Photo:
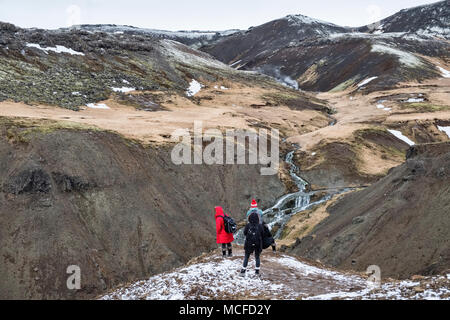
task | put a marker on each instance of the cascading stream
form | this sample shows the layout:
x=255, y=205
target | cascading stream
x=289, y=204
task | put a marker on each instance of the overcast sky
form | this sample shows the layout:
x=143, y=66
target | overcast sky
x=194, y=14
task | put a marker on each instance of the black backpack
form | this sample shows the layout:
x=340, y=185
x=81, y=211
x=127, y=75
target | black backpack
x=267, y=237
x=230, y=225
x=254, y=236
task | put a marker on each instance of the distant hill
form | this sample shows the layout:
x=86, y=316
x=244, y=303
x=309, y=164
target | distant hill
x=428, y=20
x=320, y=56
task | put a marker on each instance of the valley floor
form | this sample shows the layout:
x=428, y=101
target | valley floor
x=283, y=277
x=410, y=102
x=237, y=107
x=354, y=150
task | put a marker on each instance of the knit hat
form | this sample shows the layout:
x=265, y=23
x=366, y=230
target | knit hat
x=254, y=204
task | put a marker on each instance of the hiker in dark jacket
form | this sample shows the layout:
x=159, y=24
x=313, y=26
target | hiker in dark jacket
x=267, y=236
x=253, y=232
x=222, y=237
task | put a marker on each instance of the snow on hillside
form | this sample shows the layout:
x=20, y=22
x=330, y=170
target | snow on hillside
x=430, y=20
x=444, y=129
x=366, y=81
x=283, y=277
x=400, y=136
x=194, y=88
x=188, y=34
x=97, y=106
x=445, y=73
x=404, y=57
x=434, y=31
x=299, y=19
x=389, y=36
x=415, y=100
x=56, y=49
x=187, y=55
x=123, y=89
x=381, y=106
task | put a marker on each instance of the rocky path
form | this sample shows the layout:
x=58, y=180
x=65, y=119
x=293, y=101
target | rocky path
x=283, y=277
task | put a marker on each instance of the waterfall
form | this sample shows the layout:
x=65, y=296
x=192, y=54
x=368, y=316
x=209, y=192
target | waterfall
x=288, y=204
x=302, y=198
x=291, y=203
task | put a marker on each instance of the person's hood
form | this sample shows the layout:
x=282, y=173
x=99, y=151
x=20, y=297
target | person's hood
x=253, y=217
x=219, y=211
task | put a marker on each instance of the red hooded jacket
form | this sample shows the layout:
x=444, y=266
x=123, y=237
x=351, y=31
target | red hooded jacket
x=222, y=236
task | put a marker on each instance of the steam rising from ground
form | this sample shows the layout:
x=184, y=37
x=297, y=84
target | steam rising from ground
x=279, y=76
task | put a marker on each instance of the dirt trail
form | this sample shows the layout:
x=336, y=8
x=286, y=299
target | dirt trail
x=283, y=277
x=211, y=276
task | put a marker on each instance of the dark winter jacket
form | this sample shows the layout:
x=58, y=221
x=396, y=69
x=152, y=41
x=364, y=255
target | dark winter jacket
x=222, y=235
x=257, y=237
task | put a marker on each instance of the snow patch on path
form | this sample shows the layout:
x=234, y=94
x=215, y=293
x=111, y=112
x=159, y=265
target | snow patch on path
x=283, y=277
x=308, y=270
x=212, y=278
x=434, y=288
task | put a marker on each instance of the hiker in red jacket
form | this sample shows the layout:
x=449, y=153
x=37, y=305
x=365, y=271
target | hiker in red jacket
x=223, y=237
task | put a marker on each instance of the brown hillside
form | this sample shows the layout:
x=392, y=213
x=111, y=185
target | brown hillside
x=400, y=223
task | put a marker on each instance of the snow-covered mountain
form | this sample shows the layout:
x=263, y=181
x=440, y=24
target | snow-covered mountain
x=244, y=47
x=315, y=55
x=431, y=20
x=193, y=38
x=75, y=66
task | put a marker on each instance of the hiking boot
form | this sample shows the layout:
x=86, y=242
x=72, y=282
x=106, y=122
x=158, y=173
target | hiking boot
x=257, y=273
x=230, y=254
x=242, y=273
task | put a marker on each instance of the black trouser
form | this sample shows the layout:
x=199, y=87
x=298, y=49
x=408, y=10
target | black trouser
x=224, y=249
x=257, y=259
